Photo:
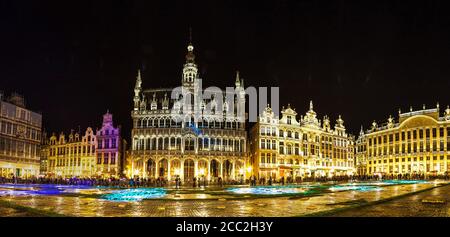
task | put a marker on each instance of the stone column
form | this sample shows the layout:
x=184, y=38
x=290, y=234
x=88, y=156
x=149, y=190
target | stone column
x=156, y=169
x=233, y=171
x=196, y=168
x=208, y=163
x=221, y=169
x=168, y=170
x=181, y=170
x=144, y=168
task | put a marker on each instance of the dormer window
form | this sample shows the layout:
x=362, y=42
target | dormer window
x=154, y=106
x=289, y=120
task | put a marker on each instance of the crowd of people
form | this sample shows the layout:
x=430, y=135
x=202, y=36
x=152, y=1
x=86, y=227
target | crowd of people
x=203, y=182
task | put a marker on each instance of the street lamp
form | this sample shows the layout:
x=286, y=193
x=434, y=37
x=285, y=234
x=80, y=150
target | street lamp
x=241, y=171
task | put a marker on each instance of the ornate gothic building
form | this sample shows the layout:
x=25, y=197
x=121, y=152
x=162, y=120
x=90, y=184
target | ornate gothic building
x=289, y=148
x=205, y=138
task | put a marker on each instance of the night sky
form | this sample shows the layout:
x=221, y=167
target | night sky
x=73, y=60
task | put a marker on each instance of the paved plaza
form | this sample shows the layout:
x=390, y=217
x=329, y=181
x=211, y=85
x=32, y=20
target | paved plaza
x=375, y=198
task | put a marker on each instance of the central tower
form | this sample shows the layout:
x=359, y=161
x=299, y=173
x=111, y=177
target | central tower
x=190, y=69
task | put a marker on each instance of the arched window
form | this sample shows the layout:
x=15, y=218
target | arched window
x=189, y=144
x=166, y=143
x=200, y=143
x=172, y=142
x=160, y=143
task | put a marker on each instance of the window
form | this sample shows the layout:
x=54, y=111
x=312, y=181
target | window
x=99, y=158
x=113, y=158
x=113, y=143
x=106, y=158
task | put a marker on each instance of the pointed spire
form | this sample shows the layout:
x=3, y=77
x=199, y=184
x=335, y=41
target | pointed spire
x=190, y=55
x=190, y=35
x=138, y=79
x=238, y=80
x=361, y=132
x=311, y=105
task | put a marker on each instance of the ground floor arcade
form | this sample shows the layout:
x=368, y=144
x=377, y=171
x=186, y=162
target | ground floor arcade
x=188, y=168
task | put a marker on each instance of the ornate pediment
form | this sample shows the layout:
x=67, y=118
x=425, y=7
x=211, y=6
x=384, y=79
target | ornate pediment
x=418, y=121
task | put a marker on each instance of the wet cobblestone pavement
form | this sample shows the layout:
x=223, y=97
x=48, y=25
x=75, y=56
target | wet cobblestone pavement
x=410, y=206
x=198, y=203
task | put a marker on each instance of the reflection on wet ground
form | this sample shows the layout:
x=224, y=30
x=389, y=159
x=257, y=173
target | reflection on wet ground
x=409, y=206
x=289, y=200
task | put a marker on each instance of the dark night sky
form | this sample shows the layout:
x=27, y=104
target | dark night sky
x=361, y=59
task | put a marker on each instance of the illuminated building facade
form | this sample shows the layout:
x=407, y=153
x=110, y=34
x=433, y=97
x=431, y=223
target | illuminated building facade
x=44, y=153
x=415, y=144
x=168, y=141
x=109, y=149
x=360, y=154
x=290, y=148
x=20, y=136
x=74, y=156
x=94, y=154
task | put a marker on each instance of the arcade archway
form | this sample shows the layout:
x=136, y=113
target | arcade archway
x=163, y=166
x=189, y=170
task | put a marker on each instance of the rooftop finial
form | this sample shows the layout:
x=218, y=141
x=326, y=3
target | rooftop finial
x=138, y=82
x=238, y=80
x=311, y=105
x=190, y=35
x=190, y=55
x=190, y=46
